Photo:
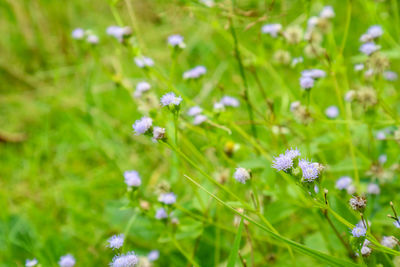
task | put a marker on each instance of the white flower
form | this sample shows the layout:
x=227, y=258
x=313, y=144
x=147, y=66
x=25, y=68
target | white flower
x=199, y=119
x=158, y=133
x=327, y=12
x=389, y=241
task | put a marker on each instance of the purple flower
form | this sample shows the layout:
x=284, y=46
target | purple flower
x=132, y=178
x=67, y=261
x=229, y=101
x=125, y=260
x=142, y=126
x=374, y=189
x=375, y=31
x=306, y=82
x=241, y=175
x=161, y=213
x=175, y=40
x=343, y=182
x=369, y=48
x=332, y=112
x=271, y=29
x=92, y=39
x=199, y=119
x=167, y=198
x=78, y=34
x=193, y=111
x=282, y=162
x=313, y=73
x=358, y=231
x=116, y=241
x=141, y=87
x=327, y=12
x=143, y=62
x=396, y=224
x=170, y=99
x=153, y=255
x=309, y=170
x=390, y=75
x=195, y=73
x=31, y=263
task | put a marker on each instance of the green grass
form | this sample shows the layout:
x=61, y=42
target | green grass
x=66, y=112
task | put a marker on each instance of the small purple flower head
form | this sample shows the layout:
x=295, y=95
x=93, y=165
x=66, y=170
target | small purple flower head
x=193, y=111
x=343, y=182
x=125, y=260
x=143, y=62
x=313, y=73
x=241, y=175
x=141, y=87
x=229, y=101
x=375, y=31
x=332, y=112
x=327, y=12
x=161, y=213
x=199, y=119
x=390, y=75
x=218, y=106
x=382, y=159
x=175, y=40
x=67, y=261
x=358, y=231
x=142, y=126
x=31, y=263
x=374, y=189
x=381, y=135
x=309, y=170
x=369, y=48
x=293, y=153
x=296, y=61
x=118, y=32
x=78, y=34
x=271, y=29
x=195, y=73
x=396, y=224
x=282, y=162
x=132, y=178
x=170, y=99
x=116, y=241
x=153, y=255
x=389, y=241
x=167, y=198
x=306, y=82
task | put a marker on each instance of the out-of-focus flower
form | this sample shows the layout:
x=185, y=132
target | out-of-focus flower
x=358, y=231
x=373, y=189
x=390, y=75
x=116, y=241
x=141, y=87
x=358, y=67
x=31, y=263
x=229, y=101
x=170, y=99
x=271, y=29
x=193, y=111
x=343, y=182
x=369, y=48
x=67, y=261
x=158, y=133
x=92, y=39
x=167, y=198
x=313, y=73
x=144, y=62
x=132, y=178
x=327, y=12
x=381, y=135
x=195, y=73
x=176, y=40
x=161, y=213
x=78, y=34
x=153, y=255
x=332, y=112
x=199, y=119
x=389, y=241
x=306, y=82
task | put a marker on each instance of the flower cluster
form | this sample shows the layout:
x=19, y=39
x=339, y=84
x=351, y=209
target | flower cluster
x=125, y=260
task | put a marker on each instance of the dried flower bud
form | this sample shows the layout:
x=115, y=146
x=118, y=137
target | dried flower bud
x=358, y=203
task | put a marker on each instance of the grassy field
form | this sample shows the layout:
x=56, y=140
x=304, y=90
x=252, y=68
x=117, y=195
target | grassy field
x=66, y=140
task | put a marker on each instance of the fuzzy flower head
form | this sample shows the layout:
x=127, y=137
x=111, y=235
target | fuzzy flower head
x=306, y=82
x=283, y=162
x=358, y=67
x=144, y=62
x=67, y=261
x=92, y=39
x=193, y=111
x=199, y=119
x=125, y=260
x=271, y=29
x=167, y=198
x=332, y=112
x=116, y=241
x=343, y=182
x=118, y=32
x=31, y=263
x=313, y=73
x=366, y=251
x=358, y=231
x=195, y=73
x=358, y=203
x=170, y=99
x=132, y=178
x=396, y=224
x=375, y=31
x=241, y=175
x=141, y=87
x=78, y=34
x=229, y=101
x=153, y=255
x=158, y=133
x=142, y=126
x=309, y=170
x=369, y=48
x=161, y=213
x=176, y=40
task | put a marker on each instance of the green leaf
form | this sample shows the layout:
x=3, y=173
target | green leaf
x=236, y=244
